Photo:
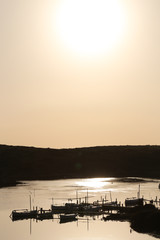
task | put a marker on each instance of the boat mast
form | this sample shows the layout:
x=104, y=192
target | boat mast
x=138, y=193
x=77, y=196
x=110, y=196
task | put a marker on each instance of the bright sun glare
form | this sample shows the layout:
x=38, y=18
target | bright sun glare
x=90, y=27
x=94, y=182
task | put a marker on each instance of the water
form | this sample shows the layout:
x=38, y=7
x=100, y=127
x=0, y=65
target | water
x=44, y=193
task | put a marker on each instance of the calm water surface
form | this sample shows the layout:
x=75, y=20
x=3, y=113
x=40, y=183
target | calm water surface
x=44, y=193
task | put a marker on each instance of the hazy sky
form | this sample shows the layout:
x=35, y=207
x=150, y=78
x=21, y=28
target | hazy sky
x=79, y=72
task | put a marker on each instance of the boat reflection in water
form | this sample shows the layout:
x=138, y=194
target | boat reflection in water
x=64, y=218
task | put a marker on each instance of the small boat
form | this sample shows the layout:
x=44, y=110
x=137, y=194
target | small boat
x=109, y=205
x=130, y=202
x=67, y=208
x=89, y=209
x=23, y=214
x=68, y=218
x=112, y=203
x=71, y=206
x=58, y=208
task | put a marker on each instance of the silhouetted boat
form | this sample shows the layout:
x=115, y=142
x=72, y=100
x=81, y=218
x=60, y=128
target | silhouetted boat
x=113, y=203
x=89, y=208
x=129, y=202
x=58, y=208
x=23, y=214
x=67, y=208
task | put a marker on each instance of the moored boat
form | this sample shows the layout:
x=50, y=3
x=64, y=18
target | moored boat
x=58, y=208
x=67, y=208
x=23, y=214
x=129, y=202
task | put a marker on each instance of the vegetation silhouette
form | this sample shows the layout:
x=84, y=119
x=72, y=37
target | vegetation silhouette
x=29, y=163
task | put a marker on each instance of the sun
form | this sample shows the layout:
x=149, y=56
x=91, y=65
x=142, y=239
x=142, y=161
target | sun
x=90, y=27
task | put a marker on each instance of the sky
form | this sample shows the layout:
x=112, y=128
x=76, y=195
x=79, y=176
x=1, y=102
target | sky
x=79, y=73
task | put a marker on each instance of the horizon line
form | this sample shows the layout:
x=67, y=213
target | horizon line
x=65, y=148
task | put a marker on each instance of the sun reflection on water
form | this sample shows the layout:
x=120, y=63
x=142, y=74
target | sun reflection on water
x=94, y=182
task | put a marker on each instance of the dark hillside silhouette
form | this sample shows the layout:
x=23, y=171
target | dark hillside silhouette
x=29, y=163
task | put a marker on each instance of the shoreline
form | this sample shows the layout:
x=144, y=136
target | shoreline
x=117, y=179
x=18, y=163
x=10, y=184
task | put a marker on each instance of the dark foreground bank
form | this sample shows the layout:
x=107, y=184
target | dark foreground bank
x=29, y=163
x=143, y=219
